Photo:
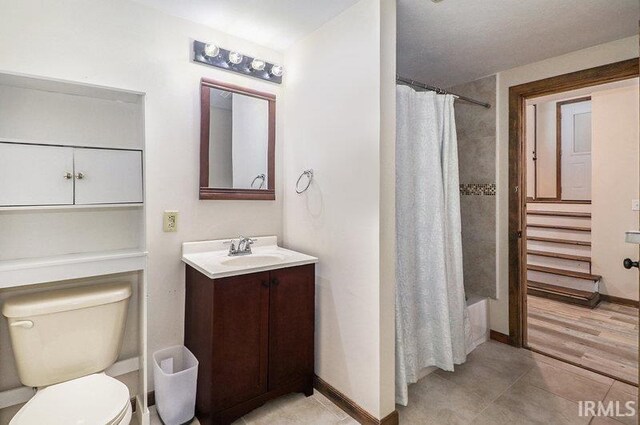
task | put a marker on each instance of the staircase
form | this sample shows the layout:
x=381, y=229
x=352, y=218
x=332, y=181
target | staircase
x=559, y=253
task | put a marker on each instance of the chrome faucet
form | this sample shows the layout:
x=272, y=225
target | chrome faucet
x=243, y=247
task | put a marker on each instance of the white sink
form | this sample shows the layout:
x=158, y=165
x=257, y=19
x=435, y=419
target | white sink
x=253, y=260
x=211, y=258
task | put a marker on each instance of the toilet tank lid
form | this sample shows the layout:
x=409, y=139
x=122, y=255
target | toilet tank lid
x=68, y=299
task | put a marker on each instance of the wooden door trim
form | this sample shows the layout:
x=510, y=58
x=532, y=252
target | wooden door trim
x=517, y=179
x=559, y=140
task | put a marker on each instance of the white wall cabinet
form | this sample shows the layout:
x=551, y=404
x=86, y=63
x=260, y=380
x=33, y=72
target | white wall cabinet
x=34, y=175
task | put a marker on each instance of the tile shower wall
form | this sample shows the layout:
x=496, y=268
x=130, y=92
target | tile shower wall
x=476, y=128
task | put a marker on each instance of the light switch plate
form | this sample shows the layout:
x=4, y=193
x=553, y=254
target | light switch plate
x=170, y=221
x=635, y=205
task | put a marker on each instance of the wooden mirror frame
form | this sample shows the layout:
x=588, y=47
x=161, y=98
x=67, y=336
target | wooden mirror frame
x=207, y=192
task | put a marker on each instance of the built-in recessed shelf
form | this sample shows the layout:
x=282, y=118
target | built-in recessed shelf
x=31, y=271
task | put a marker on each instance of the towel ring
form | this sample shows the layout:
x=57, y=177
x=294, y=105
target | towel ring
x=309, y=174
x=259, y=176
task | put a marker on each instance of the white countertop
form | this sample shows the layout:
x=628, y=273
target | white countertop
x=212, y=259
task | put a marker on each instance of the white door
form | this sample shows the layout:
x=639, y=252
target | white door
x=106, y=176
x=575, y=134
x=35, y=175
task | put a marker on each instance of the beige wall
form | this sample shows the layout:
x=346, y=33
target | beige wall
x=615, y=183
x=582, y=59
x=123, y=44
x=334, y=125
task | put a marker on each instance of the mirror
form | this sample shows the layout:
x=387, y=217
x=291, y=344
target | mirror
x=237, y=142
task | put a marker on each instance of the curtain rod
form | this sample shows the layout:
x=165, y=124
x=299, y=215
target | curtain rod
x=438, y=90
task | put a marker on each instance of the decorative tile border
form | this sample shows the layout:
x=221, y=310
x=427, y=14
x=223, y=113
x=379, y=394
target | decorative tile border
x=488, y=189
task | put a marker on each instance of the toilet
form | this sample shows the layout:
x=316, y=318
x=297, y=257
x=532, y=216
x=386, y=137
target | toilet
x=63, y=340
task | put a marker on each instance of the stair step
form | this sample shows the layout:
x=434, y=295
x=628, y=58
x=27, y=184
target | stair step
x=559, y=255
x=561, y=272
x=554, y=227
x=560, y=213
x=555, y=240
x=573, y=296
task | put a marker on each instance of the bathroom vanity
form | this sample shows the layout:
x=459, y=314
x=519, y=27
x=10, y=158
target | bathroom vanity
x=250, y=322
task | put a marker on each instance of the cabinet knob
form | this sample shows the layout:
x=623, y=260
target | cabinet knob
x=67, y=175
x=265, y=283
x=80, y=176
x=275, y=281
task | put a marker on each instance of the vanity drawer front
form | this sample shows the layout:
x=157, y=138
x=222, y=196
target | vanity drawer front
x=240, y=339
x=291, y=325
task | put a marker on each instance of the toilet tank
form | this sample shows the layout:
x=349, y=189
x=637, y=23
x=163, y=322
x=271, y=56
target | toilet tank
x=63, y=334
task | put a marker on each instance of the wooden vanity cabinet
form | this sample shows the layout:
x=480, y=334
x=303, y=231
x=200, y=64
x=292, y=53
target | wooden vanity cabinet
x=253, y=336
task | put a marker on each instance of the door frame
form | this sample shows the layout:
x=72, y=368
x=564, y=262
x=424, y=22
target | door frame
x=517, y=173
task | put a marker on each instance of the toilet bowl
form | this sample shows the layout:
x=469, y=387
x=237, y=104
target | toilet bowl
x=94, y=399
x=63, y=340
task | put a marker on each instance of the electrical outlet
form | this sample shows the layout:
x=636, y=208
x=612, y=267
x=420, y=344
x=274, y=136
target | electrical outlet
x=170, y=221
x=635, y=205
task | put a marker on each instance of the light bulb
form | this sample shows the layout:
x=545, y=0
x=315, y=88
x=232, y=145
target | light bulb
x=258, y=64
x=277, y=70
x=211, y=50
x=235, y=57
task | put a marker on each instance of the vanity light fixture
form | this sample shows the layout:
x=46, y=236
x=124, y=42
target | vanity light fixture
x=211, y=50
x=232, y=60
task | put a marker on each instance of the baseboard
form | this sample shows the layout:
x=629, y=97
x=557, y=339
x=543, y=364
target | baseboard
x=500, y=337
x=151, y=400
x=351, y=407
x=619, y=300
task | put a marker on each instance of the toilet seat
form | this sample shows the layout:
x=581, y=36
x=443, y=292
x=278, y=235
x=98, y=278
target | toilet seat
x=89, y=400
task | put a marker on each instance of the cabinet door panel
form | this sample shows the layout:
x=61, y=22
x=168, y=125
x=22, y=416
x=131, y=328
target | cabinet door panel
x=240, y=338
x=35, y=175
x=291, y=325
x=109, y=176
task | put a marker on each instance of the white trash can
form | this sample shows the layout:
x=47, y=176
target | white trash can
x=175, y=374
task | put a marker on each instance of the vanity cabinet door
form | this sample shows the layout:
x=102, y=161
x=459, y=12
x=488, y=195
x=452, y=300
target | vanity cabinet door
x=108, y=176
x=35, y=175
x=240, y=339
x=291, y=326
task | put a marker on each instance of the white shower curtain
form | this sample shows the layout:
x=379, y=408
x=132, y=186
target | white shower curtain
x=431, y=316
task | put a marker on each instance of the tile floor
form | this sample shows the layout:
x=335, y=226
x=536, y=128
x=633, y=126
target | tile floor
x=498, y=385
x=289, y=410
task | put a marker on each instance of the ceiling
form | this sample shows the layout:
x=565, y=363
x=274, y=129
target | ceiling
x=457, y=41
x=276, y=24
